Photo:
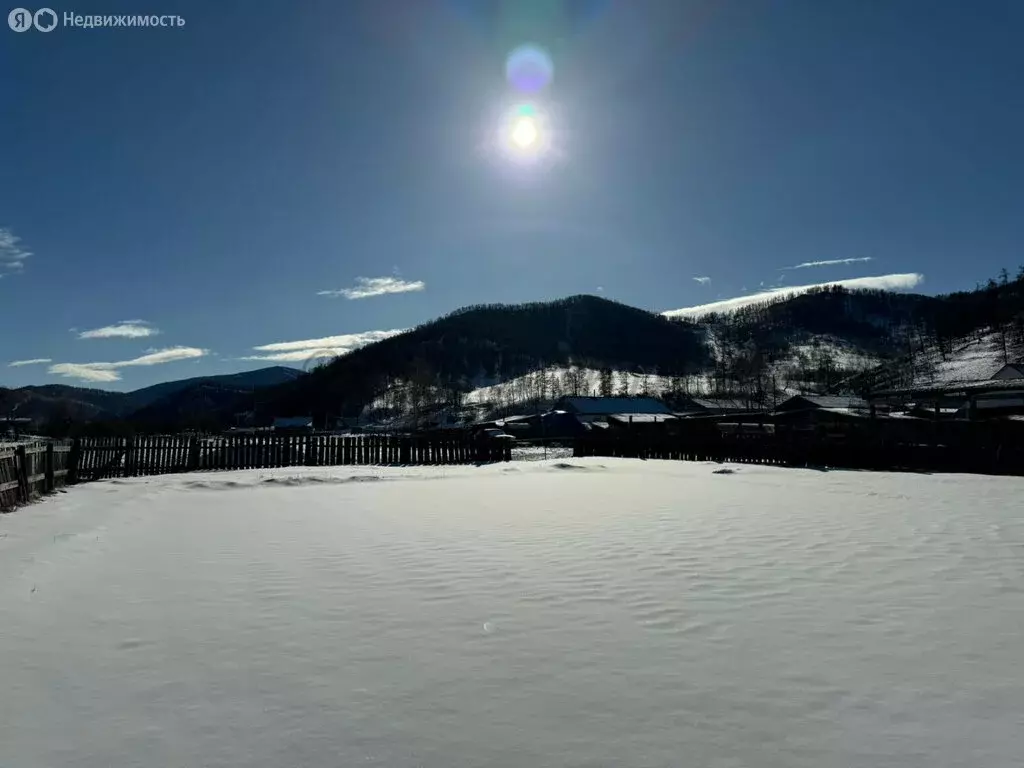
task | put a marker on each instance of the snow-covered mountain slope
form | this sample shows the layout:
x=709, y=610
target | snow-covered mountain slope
x=806, y=367
x=972, y=358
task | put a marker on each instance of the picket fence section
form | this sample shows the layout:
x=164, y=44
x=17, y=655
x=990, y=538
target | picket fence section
x=100, y=458
x=28, y=470
x=978, y=451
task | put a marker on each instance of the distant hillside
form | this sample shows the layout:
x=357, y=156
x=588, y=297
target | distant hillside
x=59, y=403
x=247, y=380
x=966, y=336
x=73, y=403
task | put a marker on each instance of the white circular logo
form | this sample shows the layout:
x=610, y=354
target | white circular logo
x=45, y=19
x=20, y=20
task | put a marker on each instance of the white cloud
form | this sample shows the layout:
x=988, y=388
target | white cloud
x=367, y=287
x=12, y=255
x=897, y=282
x=85, y=372
x=328, y=346
x=830, y=262
x=126, y=329
x=33, y=361
x=161, y=356
x=702, y=280
x=109, y=371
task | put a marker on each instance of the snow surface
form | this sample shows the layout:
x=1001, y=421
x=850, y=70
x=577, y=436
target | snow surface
x=572, y=612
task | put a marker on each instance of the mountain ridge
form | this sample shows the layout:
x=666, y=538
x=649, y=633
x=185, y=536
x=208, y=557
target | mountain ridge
x=63, y=401
x=814, y=341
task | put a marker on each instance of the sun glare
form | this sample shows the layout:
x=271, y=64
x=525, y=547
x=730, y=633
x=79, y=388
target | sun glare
x=525, y=133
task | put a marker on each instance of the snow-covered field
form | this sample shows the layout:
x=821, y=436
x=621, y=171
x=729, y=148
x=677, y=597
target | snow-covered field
x=593, y=612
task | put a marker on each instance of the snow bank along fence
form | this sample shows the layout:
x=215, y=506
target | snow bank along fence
x=28, y=470
x=98, y=458
x=953, y=448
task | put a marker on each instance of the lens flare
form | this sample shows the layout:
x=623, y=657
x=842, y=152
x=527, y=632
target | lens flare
x=529, y=69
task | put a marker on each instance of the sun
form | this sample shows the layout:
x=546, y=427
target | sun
x=525, y=133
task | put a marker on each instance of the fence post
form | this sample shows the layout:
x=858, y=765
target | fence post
x=130, y=460
x=74, y=458
x=193, y=453
x=49, y=467
x=22, y=470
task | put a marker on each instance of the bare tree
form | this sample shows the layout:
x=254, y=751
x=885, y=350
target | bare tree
x=574, y=381
x=623, y=390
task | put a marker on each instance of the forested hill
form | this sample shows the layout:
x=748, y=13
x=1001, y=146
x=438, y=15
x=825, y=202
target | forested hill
x=495, y=342
x=738, y=353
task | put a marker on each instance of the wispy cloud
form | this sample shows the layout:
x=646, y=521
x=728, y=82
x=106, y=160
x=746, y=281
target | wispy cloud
x=328, y=346
x=897, y=282
x=830, y=262
x=125, y=329
x=12, y=255
x=367, y=287
x=33, y=361
x=99, y=372
x=93, y=372
x=702, y=280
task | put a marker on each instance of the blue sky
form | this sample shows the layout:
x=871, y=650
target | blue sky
x=276, y=173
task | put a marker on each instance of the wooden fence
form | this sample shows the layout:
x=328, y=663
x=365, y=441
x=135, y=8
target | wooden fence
x=99, y=458
x=976, y=451
x=29, y=470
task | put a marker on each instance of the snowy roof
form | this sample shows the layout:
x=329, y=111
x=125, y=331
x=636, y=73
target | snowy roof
x=720, y=404
x=954, y=388
x=606, y=406
x=515, y=418
x=859, y=412
x=641, y=418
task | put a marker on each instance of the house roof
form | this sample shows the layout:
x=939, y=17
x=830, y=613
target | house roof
x=1017, y=367
x=286, y=422
x=961, y=388
x=720, y=404
x=821, y=401
x=641, y=418
x=607, y=406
